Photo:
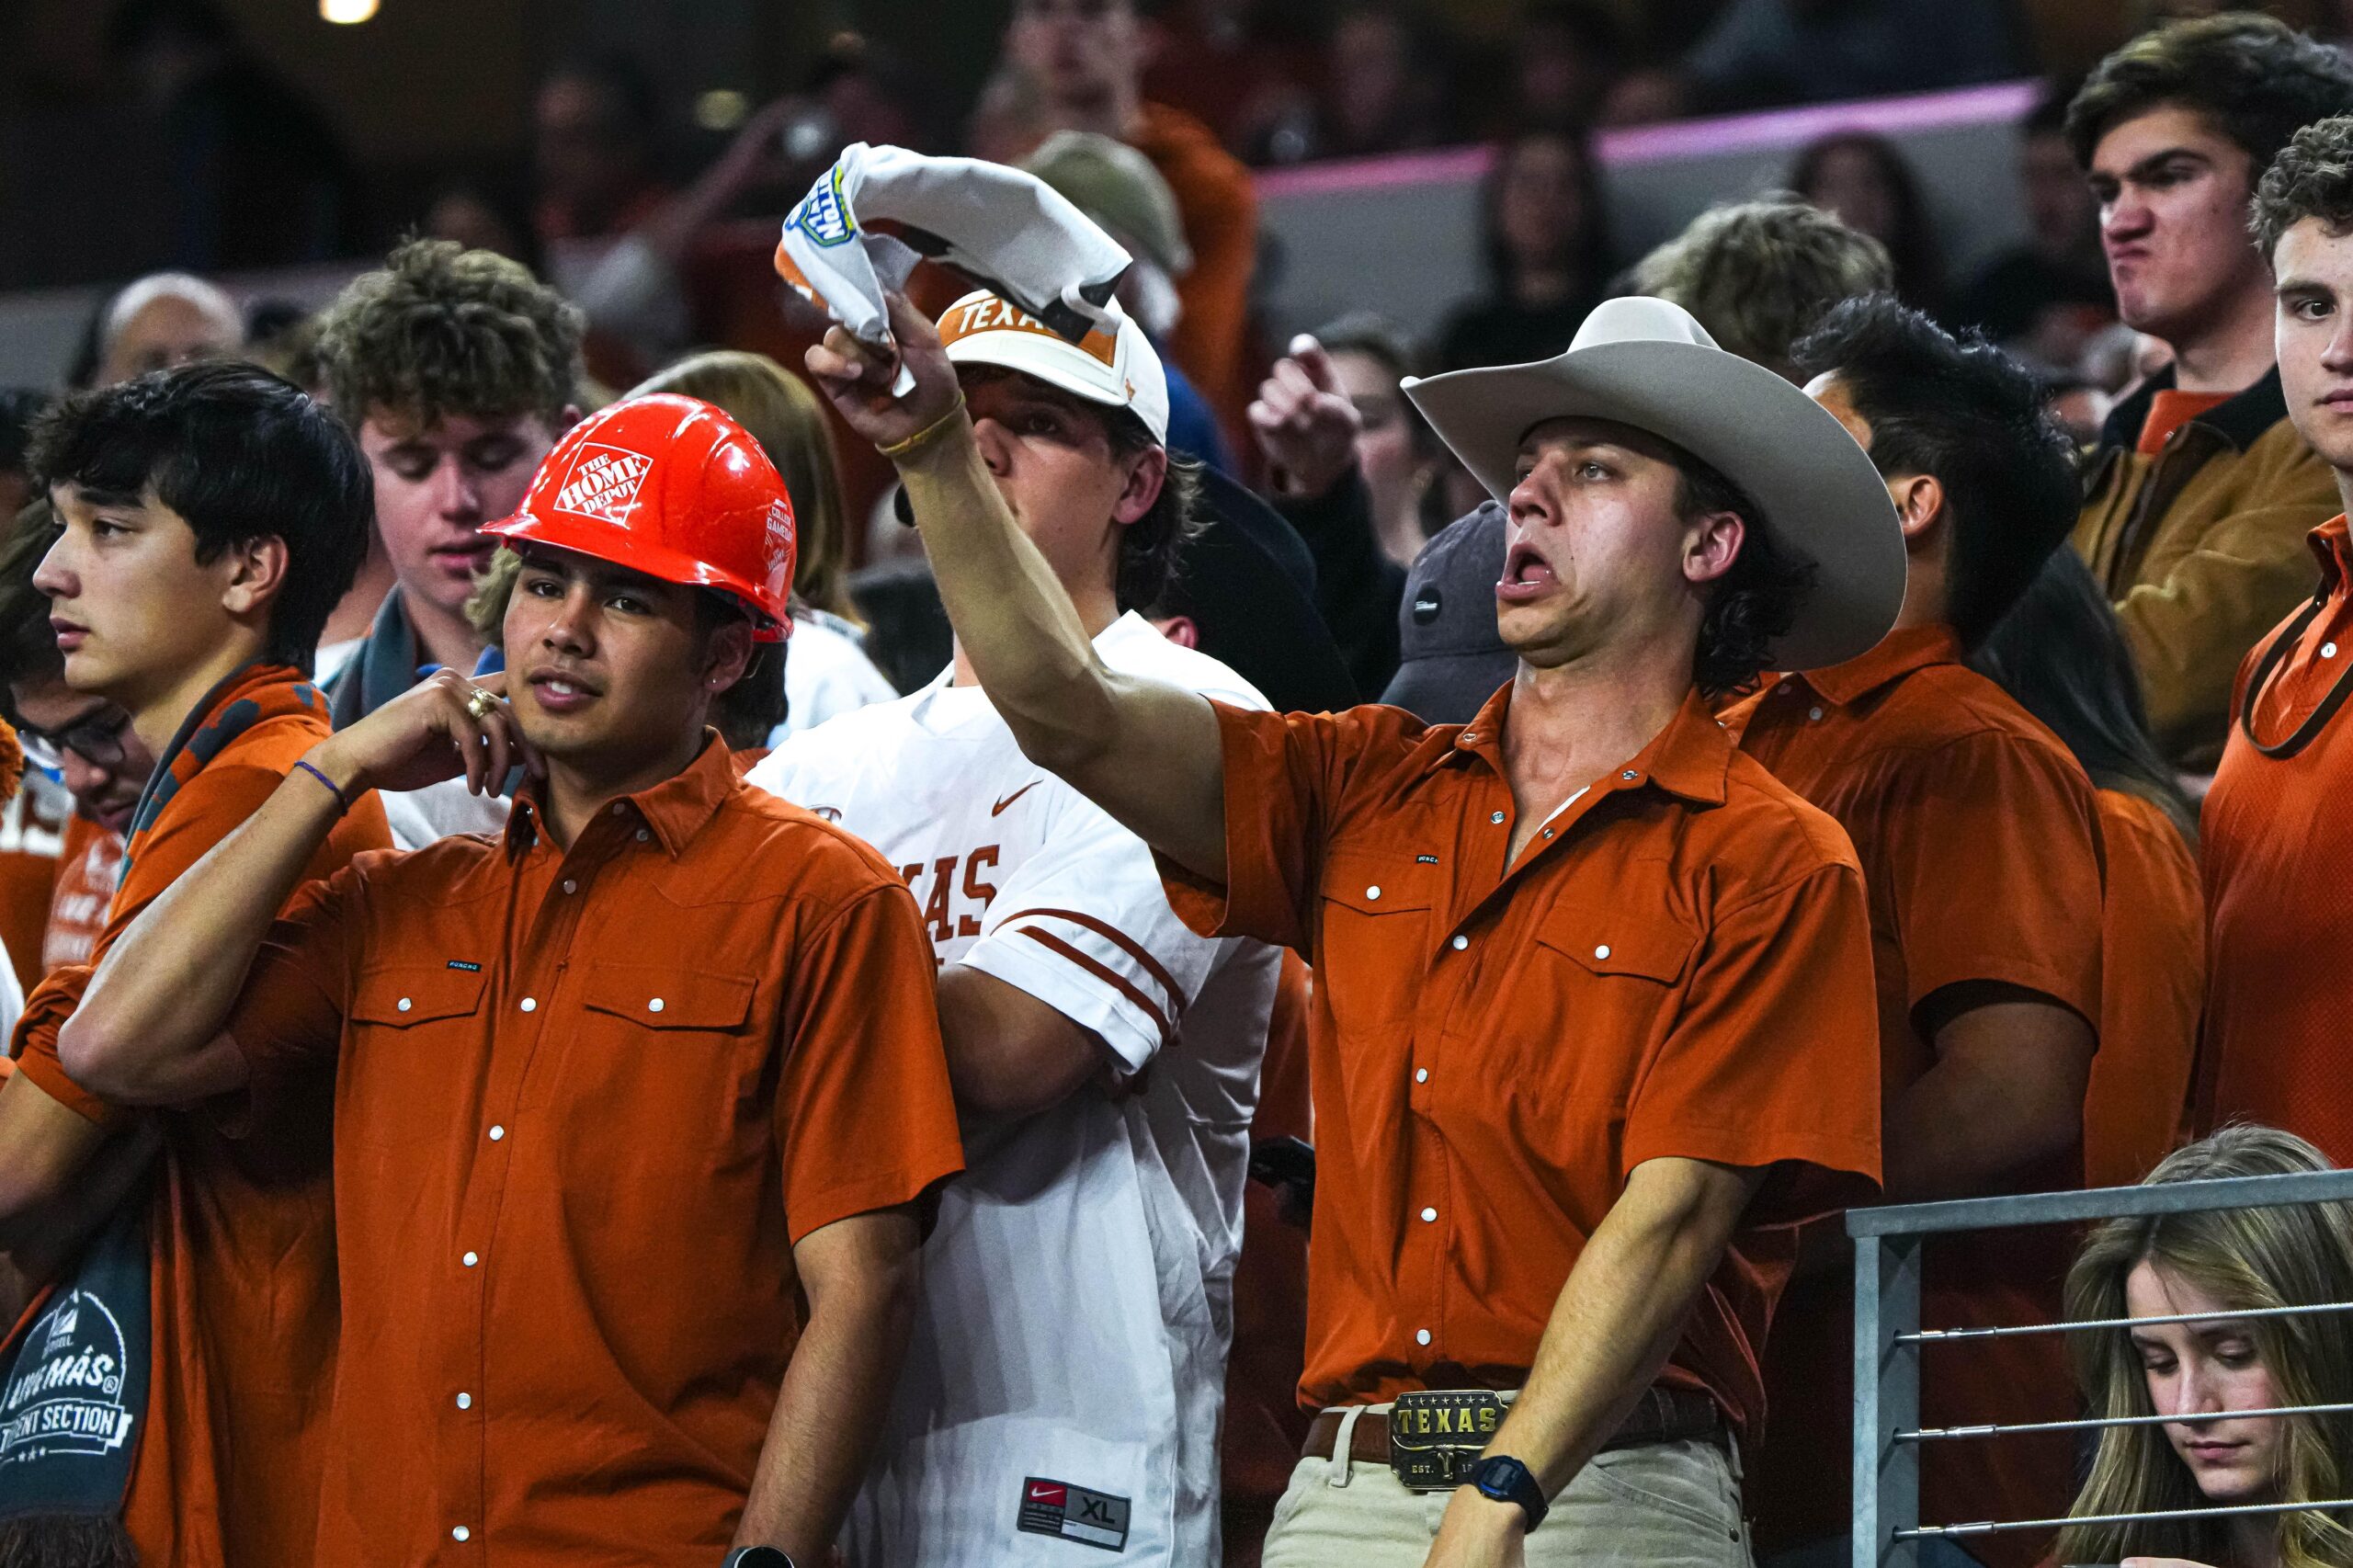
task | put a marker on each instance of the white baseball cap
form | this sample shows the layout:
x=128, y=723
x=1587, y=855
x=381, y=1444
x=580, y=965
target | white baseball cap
x=1115, y=366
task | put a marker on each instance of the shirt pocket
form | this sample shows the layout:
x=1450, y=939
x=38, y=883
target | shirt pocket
x=678, y=1005
x=1376, y=912
x=678, y=1045
x=1611, y=987
x=415, y=1043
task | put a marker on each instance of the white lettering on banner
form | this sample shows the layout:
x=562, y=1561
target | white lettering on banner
x=71, y=1401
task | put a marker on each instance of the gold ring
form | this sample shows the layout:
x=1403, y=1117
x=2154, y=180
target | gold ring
x=480, y=703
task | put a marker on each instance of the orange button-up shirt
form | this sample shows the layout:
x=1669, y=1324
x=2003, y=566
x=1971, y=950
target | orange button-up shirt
x=2278, y=850
x=587, y=1103
x=2152, y=968
x=241, y=1236
x=1678, y=965
x=1980, y=849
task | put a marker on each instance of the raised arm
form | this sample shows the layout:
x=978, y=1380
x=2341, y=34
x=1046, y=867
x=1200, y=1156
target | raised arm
x=1145, y=752
x=148, y=1030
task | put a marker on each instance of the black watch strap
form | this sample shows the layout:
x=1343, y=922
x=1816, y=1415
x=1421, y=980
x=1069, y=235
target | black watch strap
x=1508, y=1481
x=757, y=1557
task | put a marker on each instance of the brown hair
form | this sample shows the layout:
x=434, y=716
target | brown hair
x=2254, y=76
x=780, y=412
x=440, y=330
x=2311, y=178
x=1760, y=275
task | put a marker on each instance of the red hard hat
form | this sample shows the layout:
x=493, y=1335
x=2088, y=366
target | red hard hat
x=672, y=488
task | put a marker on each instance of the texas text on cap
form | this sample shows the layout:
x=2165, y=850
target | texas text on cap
x=1117, y=370
x=1450, y=656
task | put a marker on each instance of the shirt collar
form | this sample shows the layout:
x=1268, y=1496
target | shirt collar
x=676, y=809
x=1691, y=757
x=2332, y=543
x=1895, y=656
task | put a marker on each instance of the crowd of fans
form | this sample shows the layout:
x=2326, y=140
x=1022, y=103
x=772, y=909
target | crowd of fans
x=1977, y=738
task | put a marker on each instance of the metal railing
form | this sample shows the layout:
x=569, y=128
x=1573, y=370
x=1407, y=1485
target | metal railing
x=1888, y=1337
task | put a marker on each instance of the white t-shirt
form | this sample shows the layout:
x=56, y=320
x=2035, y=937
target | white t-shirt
x=826, y=673
x=1067, y=1374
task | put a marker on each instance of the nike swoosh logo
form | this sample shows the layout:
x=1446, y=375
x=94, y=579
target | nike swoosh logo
x=1000, y=806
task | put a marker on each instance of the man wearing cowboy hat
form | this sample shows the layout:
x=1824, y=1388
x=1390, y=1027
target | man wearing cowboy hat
x=1593, y=1009
x=637, y=1104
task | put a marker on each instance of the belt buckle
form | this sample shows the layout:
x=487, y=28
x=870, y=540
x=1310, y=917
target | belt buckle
x=1435, y=1435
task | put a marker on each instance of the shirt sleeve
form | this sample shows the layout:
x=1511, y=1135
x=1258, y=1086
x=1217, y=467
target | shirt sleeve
x=1086, y=929
x=864, y=1114
x=1286, y=775
x=290, y=1014
x=1988, y=850
x=1773, y=1058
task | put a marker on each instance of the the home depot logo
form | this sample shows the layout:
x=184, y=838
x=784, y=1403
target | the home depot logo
x=604, y=482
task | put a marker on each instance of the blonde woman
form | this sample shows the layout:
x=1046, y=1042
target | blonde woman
x=826, y=672
x=2237, y=1261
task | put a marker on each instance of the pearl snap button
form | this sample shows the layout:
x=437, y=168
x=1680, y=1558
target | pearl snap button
x=619, y=809
x=1373, y=892
x=465, y=1402
x=1497, y=817
x=570, y=885
x=1421, y=1074
x=531, y=1003
x=1461, y=943
x=1813, y=714
x=1629, y=776
x=405, y=1003
x=496, y=1133
x=1428, y=1215
x=1421, y=1337
x=461, y=1533
x=2328, y=650
x=642, y=836
x=470, y=1260
x=655, y=1005
x=1602, y=951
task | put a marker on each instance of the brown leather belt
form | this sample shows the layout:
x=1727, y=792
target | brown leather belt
x=1664, y=1415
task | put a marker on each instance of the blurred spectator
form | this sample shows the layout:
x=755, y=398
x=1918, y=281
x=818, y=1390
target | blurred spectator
x=282, y=338
x=1565, y=57
x=827, y=671
x=595, y=128
x=483, y=214
x=2202, y=493
x=258, y=175
x=1548, y=254
x=153, y=324
x=1086, y=60
x=1763, y=52
x=1865, y=182
x=1380, y=94
x=458, y=371
x=18, y=406
x=907, y=631
x=1368, y=359
x=2079, y=406
x=1117, y=186
x=1760, y=275
x=1233, y=64
x=857, y=91
x=2048, y=297
x=2059, y=653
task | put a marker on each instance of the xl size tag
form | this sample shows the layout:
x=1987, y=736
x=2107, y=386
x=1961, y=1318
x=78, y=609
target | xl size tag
x=1434, y=1435
x=1073, y=1513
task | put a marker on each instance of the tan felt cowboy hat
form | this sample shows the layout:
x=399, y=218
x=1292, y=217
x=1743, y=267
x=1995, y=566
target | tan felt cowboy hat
x=1647, y=363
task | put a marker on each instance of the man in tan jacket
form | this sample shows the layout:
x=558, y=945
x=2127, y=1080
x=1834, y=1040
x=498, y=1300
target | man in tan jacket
x=2200, y=493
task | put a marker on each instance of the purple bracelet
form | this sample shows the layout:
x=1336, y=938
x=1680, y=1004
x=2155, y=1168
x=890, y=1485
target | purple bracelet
x=341, y=804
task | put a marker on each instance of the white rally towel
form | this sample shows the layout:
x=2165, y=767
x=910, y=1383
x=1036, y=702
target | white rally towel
x=1008, y=230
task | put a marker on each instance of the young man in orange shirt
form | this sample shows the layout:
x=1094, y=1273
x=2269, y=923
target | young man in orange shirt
x=1980, y=847
x=209, y=518
x=1558, y=1258
x=616, y=1090
x=2277, y=849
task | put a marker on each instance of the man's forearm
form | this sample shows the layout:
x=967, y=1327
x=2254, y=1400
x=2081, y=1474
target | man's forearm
x=2004, y=1099
x=830, y=1409
x=1620, y=1314
x=165, y=987
x=1012, y=617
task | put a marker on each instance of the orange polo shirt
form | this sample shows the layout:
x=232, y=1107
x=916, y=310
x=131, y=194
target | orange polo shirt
x=2278, y=848
x=587, y=1103
x=1980, y=849
x=2152, y=939
x=1678, y=965
x=241, y=1236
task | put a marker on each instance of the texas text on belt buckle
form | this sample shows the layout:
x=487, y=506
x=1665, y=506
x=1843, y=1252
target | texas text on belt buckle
x=1435, y=1435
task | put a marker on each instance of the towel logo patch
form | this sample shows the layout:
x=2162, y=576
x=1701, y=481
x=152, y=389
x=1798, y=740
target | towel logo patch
x=67, y=1397
x=821, y=215
x=1073, y=1513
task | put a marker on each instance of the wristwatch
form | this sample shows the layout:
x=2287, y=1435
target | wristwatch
x=757, y=1557
x=1508, y=1481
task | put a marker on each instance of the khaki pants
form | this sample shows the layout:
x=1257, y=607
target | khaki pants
x=1674, y=1505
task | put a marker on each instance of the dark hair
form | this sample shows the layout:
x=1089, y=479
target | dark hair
x=19, y=407
x=1151, y=547
x=2311, y=178
x=441, y=330
x=241, y=455
x=27, y=643
x=1913, y=247
x=1974, y=419
x=1591, y=259
x=2062, y=653
x=1374, y=336
x=2257, y=78
x=1754, y=604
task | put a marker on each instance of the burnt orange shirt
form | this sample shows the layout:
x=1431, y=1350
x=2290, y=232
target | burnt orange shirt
x=34, y=825
x=2276, y=844
x=1219, y=207
x=90, y=869
x=1678, y=965
x=587, y=1101
x=242, y=1235
x=2152, y=963
x=1980, y=849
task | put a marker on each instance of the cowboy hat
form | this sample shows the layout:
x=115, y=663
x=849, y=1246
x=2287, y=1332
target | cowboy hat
x=1647, y=363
